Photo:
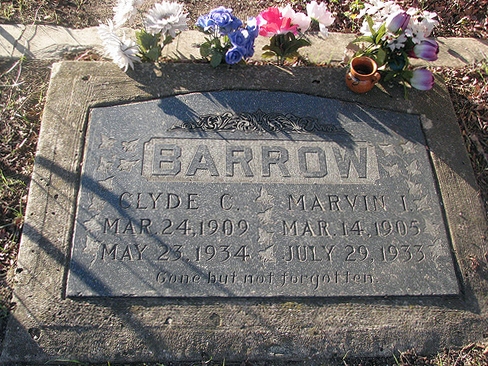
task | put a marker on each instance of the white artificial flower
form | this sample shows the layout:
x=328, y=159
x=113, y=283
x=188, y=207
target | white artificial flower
x=121, y=50
x=323, y=29
x=421, y=24
x=166, y=17
x=379, y=10
x=302, y=20
x=396, y=42
x=413, y=12
x=106, y=32
x=428, y=22
x=388, y=9
x=125, y=10
x=321, y=14
x=371, y=8
x=299, y=19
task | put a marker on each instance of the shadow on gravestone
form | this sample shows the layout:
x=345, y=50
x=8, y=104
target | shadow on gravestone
x=323, y=82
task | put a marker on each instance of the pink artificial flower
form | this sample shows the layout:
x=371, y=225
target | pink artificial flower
x=300, y=19
x=271, y=22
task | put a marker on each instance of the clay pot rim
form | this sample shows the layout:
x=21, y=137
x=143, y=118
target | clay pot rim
x=371, y=61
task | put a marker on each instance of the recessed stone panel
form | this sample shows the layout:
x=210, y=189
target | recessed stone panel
x=257, y=194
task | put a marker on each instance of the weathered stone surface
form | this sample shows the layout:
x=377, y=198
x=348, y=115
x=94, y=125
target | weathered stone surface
x=245, y=194
x=46, y=41
x=46, y=325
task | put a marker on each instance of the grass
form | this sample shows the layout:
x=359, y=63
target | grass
x=468, y=88
x=23, y=85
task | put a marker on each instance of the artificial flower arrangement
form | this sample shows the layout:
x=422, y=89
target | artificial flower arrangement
x=228, y=39
x=162, y=23
x=283, y=25
x=391, y=35
x=231, y=41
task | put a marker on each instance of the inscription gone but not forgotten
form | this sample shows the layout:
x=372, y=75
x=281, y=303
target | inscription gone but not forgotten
x=247, y=193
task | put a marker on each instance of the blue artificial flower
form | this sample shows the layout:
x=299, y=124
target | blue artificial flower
x=234, y=55
x=231, y=40
x=243, y=39
x=398, y=62
x=220, y=18
x=252, y=27
x=204, y=22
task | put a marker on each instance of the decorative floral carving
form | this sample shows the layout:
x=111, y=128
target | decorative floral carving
x=258, y=121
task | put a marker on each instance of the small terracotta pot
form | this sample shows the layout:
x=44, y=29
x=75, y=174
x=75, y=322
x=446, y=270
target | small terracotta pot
x=363, y=74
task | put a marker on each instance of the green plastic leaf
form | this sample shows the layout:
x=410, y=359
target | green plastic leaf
x=407, y=74
x=364, y=39
x=216, y=43
x=167, y=40
x=216, y=59
x=304, y=42
x=273, y=49
x=291, y=56
x=148, y=45
x=294, y=46
x=389, y=76
x=145, y=40
x=370, y=24
x=268, y=54
x=153, y=54
x=205, y=50
x=381, y=32
x=380, y=57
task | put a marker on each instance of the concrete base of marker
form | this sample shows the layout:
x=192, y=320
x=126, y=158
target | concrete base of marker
x=46, y=325
x=54, y=42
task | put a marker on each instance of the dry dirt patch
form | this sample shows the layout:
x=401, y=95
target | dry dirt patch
x=460, y=18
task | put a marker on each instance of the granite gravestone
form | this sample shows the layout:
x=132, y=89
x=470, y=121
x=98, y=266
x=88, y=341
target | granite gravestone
x=257, y=194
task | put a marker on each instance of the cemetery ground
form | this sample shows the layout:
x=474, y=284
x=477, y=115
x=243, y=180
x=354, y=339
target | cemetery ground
x=23, y=86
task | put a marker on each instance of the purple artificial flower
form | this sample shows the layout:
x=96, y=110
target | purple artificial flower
x=426, y=50
x=422, y=79
x=397, y=21
x=221, y=18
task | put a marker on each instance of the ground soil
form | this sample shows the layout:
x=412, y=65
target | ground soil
x=23, y=84
x=460, y=18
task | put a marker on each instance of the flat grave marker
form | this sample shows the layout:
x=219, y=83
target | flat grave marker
x=251, y=213
x=255, y=193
